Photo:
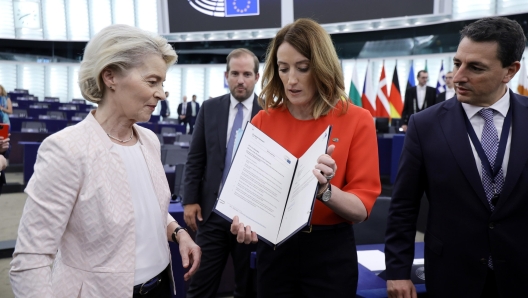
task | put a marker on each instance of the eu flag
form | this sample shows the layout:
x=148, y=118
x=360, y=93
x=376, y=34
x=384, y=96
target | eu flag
x=241, y=8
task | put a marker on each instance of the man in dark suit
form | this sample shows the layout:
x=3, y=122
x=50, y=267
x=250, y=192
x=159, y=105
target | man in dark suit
x=165, y=112
x=182, y=112
x=450, y=89
x=193, y=109
x=418, y=98
x=478, y=201
x=206, y=164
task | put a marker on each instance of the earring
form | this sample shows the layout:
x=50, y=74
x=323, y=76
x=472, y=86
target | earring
x=111, y=88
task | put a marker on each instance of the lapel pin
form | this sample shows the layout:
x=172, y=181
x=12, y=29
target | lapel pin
x=335, y=139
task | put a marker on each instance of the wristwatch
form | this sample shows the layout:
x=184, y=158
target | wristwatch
x=179, y=228
x=326, y=195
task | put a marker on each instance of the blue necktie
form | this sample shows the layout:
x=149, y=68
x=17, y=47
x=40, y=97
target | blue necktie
x=490, y=144
x=237, y=124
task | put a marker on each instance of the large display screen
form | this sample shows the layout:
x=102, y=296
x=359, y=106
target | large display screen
x=221, y=15
x=337, y=11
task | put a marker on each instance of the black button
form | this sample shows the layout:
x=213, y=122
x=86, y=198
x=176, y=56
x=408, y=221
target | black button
x=221, y=169
x=215, y=193
x=492, y=225
x=484, y=261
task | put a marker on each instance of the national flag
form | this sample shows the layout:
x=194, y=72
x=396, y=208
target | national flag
x=441, y=85
x=426, y=66
x=368, y=102
x=410, y=80
x=354, y=95
x=382, y=101
x=395, y=98
x=522, y=87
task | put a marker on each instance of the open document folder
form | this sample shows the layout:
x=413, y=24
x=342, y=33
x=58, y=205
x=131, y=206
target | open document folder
x=270, y=189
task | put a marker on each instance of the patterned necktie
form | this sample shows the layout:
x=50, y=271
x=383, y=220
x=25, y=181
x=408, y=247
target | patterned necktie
x=237, y=124
x=490, y=144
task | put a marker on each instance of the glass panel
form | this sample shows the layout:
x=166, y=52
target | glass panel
x=124, y=12
x=147, y=15
x=54, y=19
x=57, y=80
x=172, y=84
x=7, y=23
x=78, y=23
x=194, y=83
x=8, y=75
x=32, y=78
x=100, y=15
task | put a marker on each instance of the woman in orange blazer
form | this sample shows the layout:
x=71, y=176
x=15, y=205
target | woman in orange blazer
x=97, y=207
x=303, y=93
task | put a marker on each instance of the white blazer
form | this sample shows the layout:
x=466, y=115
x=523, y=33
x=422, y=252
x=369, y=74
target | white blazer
x=80, y=217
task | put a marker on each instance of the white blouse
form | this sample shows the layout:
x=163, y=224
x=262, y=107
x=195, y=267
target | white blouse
x=151, y=235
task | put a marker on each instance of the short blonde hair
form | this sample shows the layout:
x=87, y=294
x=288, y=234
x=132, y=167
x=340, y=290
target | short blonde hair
x=2, y=91
x=119, y=47
x=313, y=42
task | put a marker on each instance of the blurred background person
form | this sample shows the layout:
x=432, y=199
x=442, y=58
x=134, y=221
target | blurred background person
x=193, y=108
x=208, y=160
x=4, y=156
x=5, y=106
x=165, y=111
x=182, y=112
x=97, y=206
x=418, y=98
x=450, y=88
x=303, y=93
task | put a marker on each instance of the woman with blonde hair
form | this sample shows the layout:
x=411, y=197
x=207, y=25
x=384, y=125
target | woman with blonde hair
x=5, y=106
x=97, y=206
x=303, y=92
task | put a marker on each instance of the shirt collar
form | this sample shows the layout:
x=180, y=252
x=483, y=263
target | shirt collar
x=248, y=102
x=450, y=89
x=501, y=106
x=421, y=87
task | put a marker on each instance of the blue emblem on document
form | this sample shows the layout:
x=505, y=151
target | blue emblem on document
x=226, y=8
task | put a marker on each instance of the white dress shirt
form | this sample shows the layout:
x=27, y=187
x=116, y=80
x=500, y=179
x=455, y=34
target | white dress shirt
x=193, y=107
x=420, y=93
x=501, y=107
x=151, y=236
x=450, y=92
x=248, y=106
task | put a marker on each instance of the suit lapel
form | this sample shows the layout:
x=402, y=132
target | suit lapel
x=256, y=107
x=223, y=118
x=453, y=127
x=519, y=145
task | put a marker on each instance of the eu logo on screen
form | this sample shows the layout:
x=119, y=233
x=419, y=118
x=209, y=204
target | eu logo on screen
x=226, y=8
x=239, y=8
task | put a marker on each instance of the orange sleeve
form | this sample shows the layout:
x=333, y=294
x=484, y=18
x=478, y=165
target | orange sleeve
x=362, y=168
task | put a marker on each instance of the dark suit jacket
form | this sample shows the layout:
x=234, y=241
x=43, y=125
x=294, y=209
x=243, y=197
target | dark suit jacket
x=179, y=109
x=189, y=110
x=410, y=104
x=164, y=109
x=461, y=229
x=441, y=97
x=206, y=158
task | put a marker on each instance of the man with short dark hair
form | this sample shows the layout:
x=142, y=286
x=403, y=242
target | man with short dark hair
x=418, y=98
x=469, y=156
x=207, y=165
x=193, y=108
x=450, y=89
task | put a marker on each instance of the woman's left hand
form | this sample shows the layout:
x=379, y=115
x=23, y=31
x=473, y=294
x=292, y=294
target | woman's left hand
x=325, y=166
x=190, y=253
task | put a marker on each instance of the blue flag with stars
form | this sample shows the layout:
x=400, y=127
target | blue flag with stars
x=241, y=8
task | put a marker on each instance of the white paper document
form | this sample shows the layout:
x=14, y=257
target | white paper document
x=268, y=188
x=373, y=260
